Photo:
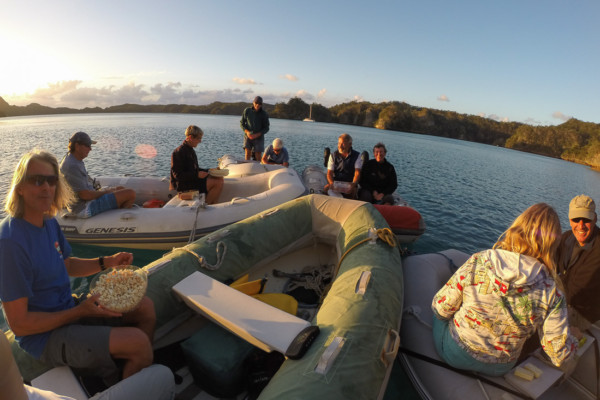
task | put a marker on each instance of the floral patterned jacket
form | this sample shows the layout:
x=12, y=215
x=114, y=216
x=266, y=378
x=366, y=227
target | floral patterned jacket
x=497, y=299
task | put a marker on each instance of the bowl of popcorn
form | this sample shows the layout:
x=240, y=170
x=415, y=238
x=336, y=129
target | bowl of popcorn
x=120, y=289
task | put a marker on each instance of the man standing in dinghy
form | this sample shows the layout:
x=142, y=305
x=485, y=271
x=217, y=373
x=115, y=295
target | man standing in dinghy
x=344, y=165
x=255, y=124
x=90, y=201
x=186, y=175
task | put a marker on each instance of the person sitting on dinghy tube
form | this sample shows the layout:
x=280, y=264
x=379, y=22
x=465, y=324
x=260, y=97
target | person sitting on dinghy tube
x=90, y=200
x=35, y=265
x=186, y=175
x=378, y=178
x=498, y=298
x=344, y=165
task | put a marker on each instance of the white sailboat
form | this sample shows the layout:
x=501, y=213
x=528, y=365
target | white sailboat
x=309, y=119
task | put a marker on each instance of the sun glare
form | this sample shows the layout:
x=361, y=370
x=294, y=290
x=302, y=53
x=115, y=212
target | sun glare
x=26, y=68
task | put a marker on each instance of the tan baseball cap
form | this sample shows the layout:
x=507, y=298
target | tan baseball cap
x=582, y=206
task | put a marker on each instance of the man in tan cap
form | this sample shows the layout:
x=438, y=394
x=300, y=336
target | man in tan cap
x=578, y=262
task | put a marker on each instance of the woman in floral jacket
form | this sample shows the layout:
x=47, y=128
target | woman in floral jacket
x=500, y=297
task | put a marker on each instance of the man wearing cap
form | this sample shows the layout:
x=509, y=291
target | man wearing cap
x=578, y=262
x=255, y=124
x=276, y=154
x=90, y=200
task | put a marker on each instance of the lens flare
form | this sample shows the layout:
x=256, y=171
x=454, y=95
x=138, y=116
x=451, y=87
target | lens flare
x=145, y=151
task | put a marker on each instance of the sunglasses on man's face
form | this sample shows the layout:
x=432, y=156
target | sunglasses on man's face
x=39, y=180
x=585, y=220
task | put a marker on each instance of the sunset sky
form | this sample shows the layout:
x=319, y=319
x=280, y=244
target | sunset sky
x=528, y=61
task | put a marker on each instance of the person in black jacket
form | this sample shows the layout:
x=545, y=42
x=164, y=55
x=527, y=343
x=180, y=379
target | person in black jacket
x=378, y=178
x=578, y=262
x=186, y=175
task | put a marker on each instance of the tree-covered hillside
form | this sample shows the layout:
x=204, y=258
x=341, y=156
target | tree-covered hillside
x=574, y=140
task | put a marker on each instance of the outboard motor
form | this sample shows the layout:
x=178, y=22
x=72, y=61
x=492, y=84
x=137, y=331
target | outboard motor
x=364, y=156
x=326, y=154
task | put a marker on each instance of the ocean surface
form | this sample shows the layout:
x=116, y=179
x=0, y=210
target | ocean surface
x=468, y=193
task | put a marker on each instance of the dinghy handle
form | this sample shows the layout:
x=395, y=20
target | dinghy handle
x=235, y=200
x=127, y=216
x=329, y=355
x=363, y=281
x=390, y=347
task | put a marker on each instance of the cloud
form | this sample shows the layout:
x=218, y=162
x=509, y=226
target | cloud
x=244, y=81
x=561, y=116
x=532, y=121
x=73, y=94
x=443, y=98
x=289, y=77
x=496, y=117
x=304, y=95
x=321, y=93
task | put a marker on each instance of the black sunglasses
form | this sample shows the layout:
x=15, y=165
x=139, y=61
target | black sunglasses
x=39, y=180
x=585, y=220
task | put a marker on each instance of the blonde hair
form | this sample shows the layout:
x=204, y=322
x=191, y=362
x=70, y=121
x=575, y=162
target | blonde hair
x=534, y=233
x=63, y=194
x=193, y=130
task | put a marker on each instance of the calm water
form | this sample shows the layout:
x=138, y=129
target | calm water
x=468, y=193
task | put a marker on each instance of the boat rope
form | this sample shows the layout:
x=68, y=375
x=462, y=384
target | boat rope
x=384, y=234
x=311, y=278
x=469, y=374
x=201, y=204
x=415, y=311
x=453, y=267
x=221, y=250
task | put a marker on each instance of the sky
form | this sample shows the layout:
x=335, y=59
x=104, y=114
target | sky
x=532, y=61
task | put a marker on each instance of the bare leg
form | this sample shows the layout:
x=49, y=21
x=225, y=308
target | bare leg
x=143, y=317
x=214, y=186
x=125, y=197
x=248, y=153
x=131, y=345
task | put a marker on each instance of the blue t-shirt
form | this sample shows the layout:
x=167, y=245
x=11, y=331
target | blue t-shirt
x=32, y=265
x=280, y=158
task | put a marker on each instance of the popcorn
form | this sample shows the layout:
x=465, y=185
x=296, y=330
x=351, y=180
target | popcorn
x=121, y=290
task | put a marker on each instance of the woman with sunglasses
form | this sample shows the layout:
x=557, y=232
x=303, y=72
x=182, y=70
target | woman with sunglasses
x=498, y=298
x=35, y=265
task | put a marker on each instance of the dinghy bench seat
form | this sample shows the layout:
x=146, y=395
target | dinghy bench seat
x=61, y=380
x=176, y=201
x=258, y=323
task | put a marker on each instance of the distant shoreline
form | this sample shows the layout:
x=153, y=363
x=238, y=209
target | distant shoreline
x=575, y=141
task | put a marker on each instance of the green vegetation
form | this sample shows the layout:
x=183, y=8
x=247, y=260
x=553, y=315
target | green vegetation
x=574, y=140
